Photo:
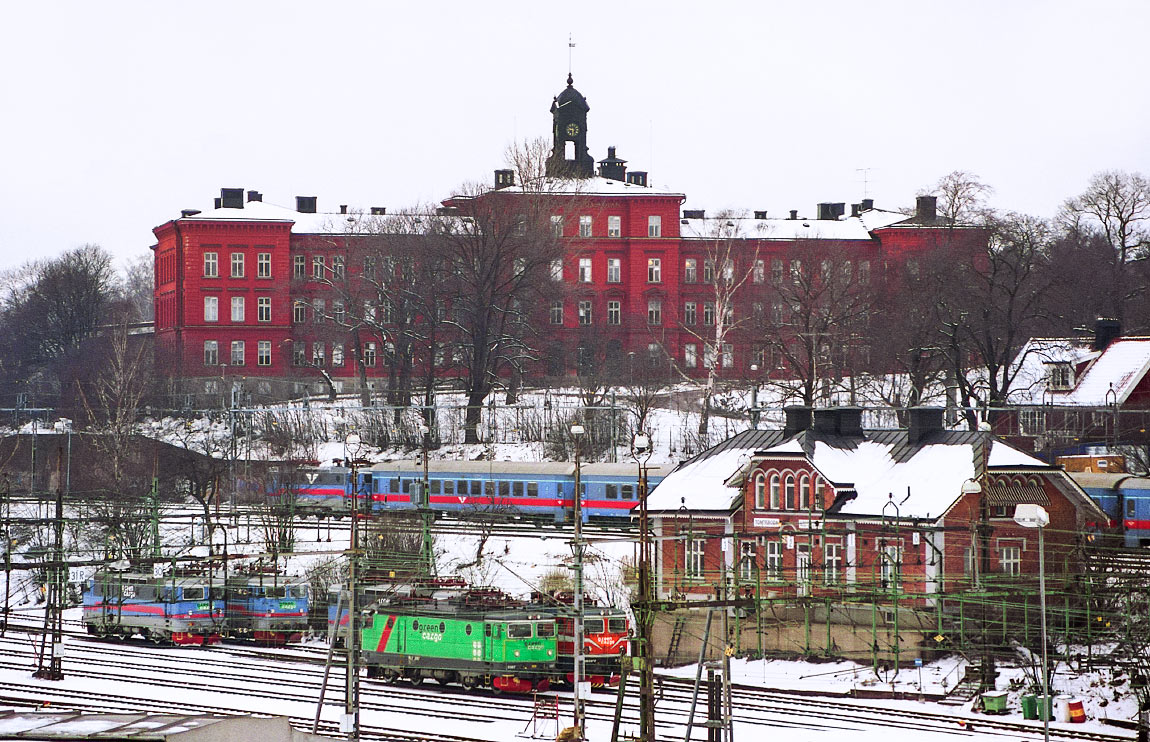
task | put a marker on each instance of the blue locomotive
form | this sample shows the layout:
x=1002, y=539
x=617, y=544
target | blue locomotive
x=267, y=607
x=1126, y=500
x=172, y=609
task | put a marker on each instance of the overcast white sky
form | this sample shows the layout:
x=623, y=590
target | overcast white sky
x=118, y=114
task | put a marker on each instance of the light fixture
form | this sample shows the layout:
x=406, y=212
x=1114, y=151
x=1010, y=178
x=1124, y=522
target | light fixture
x=577, y=429
x=971, y=487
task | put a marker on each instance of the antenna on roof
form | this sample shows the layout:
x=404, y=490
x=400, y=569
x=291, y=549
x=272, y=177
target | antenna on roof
x=865, y=171
x=570, y=47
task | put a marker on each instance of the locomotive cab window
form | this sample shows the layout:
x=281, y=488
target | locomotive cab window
x=593, y=626
x=519, y=630
x=617, y=625
x=545, y=629
x=218, y=593
x=193, y=593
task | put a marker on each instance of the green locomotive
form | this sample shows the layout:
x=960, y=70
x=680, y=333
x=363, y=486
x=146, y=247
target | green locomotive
x=507, y=650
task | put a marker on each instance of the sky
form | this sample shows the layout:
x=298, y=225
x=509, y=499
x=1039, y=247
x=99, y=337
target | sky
x=119, y=114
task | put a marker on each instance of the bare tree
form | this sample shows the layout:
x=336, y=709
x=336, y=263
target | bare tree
x=139, y=288
x=961, y=197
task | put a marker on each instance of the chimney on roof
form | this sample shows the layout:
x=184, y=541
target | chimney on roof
x=218, y=202
x=760, y=214
x=826, y=421
x=612, y=167
x=305, y=204
x=1106, y=331
x=849, y=421
x=856, y=209
x=232, y=198
x=798, y=420
x=343, y=208
x=922, y=422
x=926, y=208
x=255, y=196
x=637, y=177
x=378, y=210
x=504, y=179
x=867, y=204
x=189, y=212
x=794, y=214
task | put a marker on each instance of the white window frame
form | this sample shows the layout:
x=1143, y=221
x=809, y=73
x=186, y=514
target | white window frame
x=369, y=354
x=211, y=309
x=832, y=562
x=238, y=309
x=654, y=270
x=585, y=315
x=696, y=559
x=654, y=226
x=655, y=312
x=211, y=264
x=556, y=312
x=614, y=226
x=317, y=267
x=557, y=269
x=557, y=224
x=584, y=270
x=747, y=558
x=614, y=270
x=690, y=270
x=237, y=265
x=238, y=351
x=264, y=353
x=211, y=352
x=690, y=355
x=263, y=265
x=337, y=354
x=299, y=266
x=585, y=225
x=760, y=488
x=774, y=561
x=614, y=312
x=264, y=309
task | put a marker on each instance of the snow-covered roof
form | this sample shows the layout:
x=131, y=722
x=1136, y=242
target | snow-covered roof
x=594, y=186
x=877, y=466
x=302, y=223
x=1109, y=376
x=849, y=228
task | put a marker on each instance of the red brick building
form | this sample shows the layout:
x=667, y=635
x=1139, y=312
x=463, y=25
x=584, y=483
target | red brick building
x=826, y=508
x=239, y=289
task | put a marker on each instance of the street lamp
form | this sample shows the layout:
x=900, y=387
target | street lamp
x=577, y=432
x=755, y=395
x=1035, y=516
x=641, y=451
x=349, y=724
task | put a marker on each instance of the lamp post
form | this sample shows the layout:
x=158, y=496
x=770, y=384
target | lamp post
x=426, y=549
x=349, y=724
x=755, y=395
x=577, y=550
x=1035, y=516
x=641, y=453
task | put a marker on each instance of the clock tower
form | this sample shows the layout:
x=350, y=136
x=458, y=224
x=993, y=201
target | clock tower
x=569, y=156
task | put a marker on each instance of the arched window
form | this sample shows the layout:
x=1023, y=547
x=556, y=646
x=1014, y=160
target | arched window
x=805, y=493
x=760, y=492
x=774, y=492
x=790, y=492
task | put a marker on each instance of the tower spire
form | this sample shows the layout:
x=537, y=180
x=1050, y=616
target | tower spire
x=570, y=52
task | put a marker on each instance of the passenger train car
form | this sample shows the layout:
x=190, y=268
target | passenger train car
x=1126, y=500
x=542, y=490
x=170, y=609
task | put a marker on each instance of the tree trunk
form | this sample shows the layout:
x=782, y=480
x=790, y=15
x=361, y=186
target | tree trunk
x=474, y=416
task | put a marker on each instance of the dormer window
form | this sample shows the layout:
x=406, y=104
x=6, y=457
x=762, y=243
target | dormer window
x=1060, y=376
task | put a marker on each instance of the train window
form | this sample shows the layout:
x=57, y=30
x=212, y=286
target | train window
x=467, y=629
x=583, y=490
x=517, y=489
x=407, y=486
x=476, y=487
x=533, y=489
x=519, y=630
x=193, y=593
x=545, y=629
x=1130, y=509
x=415, y=623
x=393, y=485
x=593, y=626
x=489, y=488
x=218, y=593
x=461, y=487
x=612, y=492
x=504, y=488
x=617, y=625
x=628, y=492
x=449, y=486
x=367, y=480
x=434, y=486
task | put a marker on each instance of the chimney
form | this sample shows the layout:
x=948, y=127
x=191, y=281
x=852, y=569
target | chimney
x=1106, y=331
x=760, y=215
x=867, y=204
x=613, y=168
x=343, y=208
x=922, y=422
x=189, y=212
x=305, y=204
x=798, y=420
x=637, y=177
x=378, y=210
x=232, y=198
x=218, y=202
x=794, y=213
x=849, y=421
x=694, y=213
x=824, y=212
x=926, y=208
x=255, y=196
x=826, y=421
x=504, y=178
x=856, y=209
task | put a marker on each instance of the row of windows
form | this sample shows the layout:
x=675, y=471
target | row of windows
x=772, y=567
x=238, y=354
x=303, y=353
x=321, y=267
x=614, y=226
x=776, y=493
x=238, y=309
x=212, y=265
x=614, y=270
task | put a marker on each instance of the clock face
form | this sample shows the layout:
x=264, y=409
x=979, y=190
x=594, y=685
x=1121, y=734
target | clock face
x=572, y=129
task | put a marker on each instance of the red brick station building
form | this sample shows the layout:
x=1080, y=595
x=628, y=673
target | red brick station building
x=239, y=287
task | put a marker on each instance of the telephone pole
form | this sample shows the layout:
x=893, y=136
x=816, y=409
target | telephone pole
x=577, y=547
x=52, y=650
x=641, y=452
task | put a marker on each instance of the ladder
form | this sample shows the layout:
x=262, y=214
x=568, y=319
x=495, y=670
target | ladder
x=676, y=637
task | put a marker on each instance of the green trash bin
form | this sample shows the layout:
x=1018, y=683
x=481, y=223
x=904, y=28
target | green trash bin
x=994, y=702
x=1030, y=706
x=1045, y=702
